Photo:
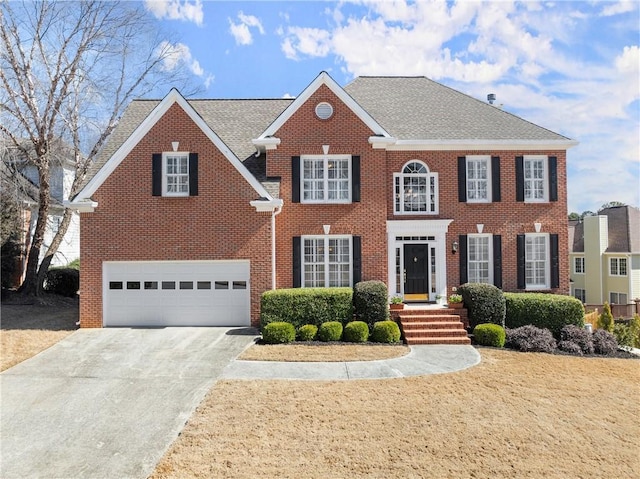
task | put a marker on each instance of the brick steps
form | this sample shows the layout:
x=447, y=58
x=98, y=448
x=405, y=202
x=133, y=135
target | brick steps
x=432, y=326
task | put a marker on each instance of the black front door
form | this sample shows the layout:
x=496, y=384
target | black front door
x=416, y=267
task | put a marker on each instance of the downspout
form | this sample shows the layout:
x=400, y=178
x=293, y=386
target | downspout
x=274, y=213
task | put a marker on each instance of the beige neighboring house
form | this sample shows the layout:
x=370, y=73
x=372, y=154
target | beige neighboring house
x=604, y=258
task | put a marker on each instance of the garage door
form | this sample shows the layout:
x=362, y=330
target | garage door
x=176, y=293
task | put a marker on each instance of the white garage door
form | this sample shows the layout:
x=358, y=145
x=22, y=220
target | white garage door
x=176, y=293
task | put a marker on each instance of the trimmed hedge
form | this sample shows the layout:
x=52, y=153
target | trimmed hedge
x=530, y=339
x=356, y=332
x=62, y=281
x=300, y=306
x=307, y=332
x=484, y=302
x=489, y=335
x=385, y=332
x=370, y=301
x=547, y=311
x=330, y=331
x=278, y=332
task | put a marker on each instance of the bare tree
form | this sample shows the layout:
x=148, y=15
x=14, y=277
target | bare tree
x=67, y=71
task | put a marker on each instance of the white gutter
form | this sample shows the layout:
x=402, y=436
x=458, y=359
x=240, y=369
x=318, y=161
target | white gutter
x=84, y=206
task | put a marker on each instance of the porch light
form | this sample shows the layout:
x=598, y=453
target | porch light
x=454, y=247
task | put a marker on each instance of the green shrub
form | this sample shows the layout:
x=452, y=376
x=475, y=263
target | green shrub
x=605, y=321
x=489, y=335
x=278, y=332
x=547, y=311
x=356, y=332
x=484, y=302
x=370, y=301
x=307, y=332
x=300, y=306
x=627, y=333
x=62, y=281
x=330, y=331
x=75, y=264
x=385, y=332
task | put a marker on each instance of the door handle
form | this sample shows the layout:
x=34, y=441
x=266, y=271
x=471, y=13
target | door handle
x=404, y=276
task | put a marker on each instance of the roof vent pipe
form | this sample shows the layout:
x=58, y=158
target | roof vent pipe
x=491, y=97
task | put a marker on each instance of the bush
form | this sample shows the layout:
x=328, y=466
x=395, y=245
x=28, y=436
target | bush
x=330, y=331
x=570, y=347
x=385, y=332
x=62, y=281
x=579, y=336
x=604, y=342
x=356, y=332
x=278, y=332
x=546, y=311
x=530, y=339
x=75, y=264
x=484, y=303
x=370, y=301
x=300, y=306
x=605, y=321
x=627, y=333
x=489, y=335
x=307, y=332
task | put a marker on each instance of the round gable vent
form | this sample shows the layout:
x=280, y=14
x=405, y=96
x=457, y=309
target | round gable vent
x=324, y=110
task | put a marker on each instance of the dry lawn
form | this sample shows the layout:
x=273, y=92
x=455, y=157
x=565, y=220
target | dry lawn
x=515, y=415
x=312, y=352
x=27, y=329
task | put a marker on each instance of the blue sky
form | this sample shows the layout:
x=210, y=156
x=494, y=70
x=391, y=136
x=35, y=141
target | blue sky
x=572, y=67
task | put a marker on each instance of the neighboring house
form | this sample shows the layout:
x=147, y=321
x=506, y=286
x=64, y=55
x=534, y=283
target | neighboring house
x=195, y=208
x=604, y=256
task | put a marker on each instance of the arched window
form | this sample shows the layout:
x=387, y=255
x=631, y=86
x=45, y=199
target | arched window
x=415, y=190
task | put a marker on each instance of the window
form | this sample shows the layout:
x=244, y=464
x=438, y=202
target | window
x=176, y=174
x=537, y=261
x=536, y=178
x=479, y=254
x=326, y=179
x=478, y=179
x=415, y=190
x=617, y=266
x=326, y=261
x=115, y=284
x=618, y=298
x=578, y=265
x=581, y=294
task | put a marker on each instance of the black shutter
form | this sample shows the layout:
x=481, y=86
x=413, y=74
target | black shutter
x=355, y=179
x=555, y=263
x=553, y=178
x=497, y=261
x=295, y=179
x=193, y=174
x=462, y=179
x=462, y=251
x=495, y=179
x=156, y=174
x=519, y=178
x=297, y=261
x=521, y=261
x=357, y=259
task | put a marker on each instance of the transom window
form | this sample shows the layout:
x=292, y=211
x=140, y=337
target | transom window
x=618, y=266
x=535, y=179
x=578, y=265
x=175, y=174
x=326, y=179
x=326, y=261
x=479, y=268
x=537, y=261
x=416, y=190
x=478, y=179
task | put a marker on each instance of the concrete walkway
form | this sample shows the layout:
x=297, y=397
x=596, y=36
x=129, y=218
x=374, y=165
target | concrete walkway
x=422, y=360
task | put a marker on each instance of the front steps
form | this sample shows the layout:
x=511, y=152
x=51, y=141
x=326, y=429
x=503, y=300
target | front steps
x=432, y=325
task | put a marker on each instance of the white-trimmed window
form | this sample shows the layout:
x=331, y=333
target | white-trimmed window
x=326, y=179
x=581, y=294
x=175, y=174
x=536, y=179
x=326, y=261
x=537, y=261
x=415, y=190
x=578, y=265
x=479, y=258
x=478, y=179
x=617, y=298
x=617, y=266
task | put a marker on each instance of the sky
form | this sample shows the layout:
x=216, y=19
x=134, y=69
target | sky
x=571, y=67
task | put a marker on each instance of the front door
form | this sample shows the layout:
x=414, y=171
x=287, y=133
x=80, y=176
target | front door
x=416, y=269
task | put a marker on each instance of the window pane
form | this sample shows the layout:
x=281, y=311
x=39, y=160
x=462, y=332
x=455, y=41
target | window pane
x=239, y=285
x=115, y=284
x=133, y=284
x=186, y=284
x=168, y=285
x=222, y=285
x=204, y=284
x=150, y=285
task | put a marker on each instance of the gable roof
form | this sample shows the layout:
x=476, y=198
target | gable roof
x=623, y=226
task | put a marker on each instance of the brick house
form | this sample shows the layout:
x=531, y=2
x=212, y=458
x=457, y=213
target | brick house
x=195, y=208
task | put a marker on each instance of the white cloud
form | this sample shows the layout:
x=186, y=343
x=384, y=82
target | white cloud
x=178, y=55
x=617, y=8
x=240, y=30
x=186, y=10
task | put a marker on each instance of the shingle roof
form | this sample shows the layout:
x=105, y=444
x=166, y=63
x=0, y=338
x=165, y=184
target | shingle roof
x=623, y=229
x=416, y=108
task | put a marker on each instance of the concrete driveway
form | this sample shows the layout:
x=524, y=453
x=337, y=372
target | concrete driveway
x=106, y=403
